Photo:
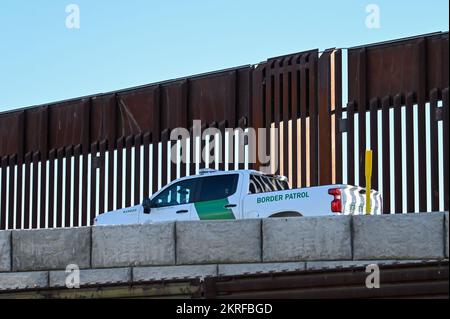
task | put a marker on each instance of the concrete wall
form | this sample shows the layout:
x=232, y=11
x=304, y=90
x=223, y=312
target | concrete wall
x=108, y=254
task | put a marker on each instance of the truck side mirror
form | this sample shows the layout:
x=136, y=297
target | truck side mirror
x=147, y=205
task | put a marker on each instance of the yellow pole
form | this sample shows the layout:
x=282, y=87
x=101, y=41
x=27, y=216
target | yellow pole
x=368, y=180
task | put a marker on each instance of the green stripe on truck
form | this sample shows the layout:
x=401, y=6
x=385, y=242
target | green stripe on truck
x=213, y=210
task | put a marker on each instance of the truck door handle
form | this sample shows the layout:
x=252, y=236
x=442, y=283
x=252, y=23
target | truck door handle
x=230, y=206
x=183, y=211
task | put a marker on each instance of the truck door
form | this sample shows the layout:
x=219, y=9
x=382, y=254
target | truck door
x=218, y=198
x=173, y=203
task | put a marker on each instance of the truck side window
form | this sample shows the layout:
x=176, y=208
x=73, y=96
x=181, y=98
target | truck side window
x=261, y=185
x=268, y=183
x=284, y=185
x=252, y=187
x=217, y=187
x=273, y=183
x=265, y=184
x=255, y=186
x=278, y=184
x=177, y=194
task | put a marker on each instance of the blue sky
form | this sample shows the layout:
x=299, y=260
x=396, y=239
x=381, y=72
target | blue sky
x=127, y=43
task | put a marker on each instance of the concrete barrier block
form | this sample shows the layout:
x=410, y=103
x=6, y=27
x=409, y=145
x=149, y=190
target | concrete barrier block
x=400, y=236
x=51, y=249
x=5, y=250
x=90, y=277
x=212, y=242
x=133, y=245
x=23, y=280
x=241, y=269
x=141, y=274
x=307, y=238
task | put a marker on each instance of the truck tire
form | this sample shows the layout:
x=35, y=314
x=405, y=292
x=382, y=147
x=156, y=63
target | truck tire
x=286, y=214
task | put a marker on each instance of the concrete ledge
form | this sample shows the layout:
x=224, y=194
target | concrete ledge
x=133, y=245
x=307, y=238
x=402, y=236
x=13, y=281
x=446, y=234
x=173, y=272
x=89, y=277
x=5, y=251
x=23, y=280
x=214, y=242
x=51, y=249
x=316, y=265
x=241, y=269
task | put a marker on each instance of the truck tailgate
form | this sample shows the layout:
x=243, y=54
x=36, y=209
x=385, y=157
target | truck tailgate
x=354, y=200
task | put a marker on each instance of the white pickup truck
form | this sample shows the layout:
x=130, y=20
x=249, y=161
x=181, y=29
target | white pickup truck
x=241, y=194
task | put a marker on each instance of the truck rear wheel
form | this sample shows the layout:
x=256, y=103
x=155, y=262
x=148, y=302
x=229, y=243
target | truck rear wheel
x=286, y=214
